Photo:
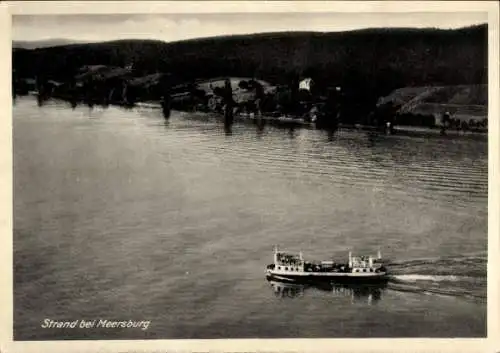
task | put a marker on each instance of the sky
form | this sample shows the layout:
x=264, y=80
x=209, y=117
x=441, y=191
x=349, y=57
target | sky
x=174, y=27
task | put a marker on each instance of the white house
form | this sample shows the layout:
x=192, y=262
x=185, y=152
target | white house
x=306, y=84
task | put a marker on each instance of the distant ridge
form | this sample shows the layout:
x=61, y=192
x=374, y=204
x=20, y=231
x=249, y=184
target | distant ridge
x=62, y=41
x=42, y=43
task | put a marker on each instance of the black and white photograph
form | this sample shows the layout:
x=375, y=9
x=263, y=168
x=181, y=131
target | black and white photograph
x=266, y=174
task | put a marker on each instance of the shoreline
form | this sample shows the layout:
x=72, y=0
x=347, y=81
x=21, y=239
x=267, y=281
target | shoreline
x=401, y=130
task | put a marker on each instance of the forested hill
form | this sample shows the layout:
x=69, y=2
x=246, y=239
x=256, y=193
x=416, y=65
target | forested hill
x=372, y=59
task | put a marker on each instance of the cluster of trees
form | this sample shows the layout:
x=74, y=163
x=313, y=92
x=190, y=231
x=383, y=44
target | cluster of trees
x=471, y=124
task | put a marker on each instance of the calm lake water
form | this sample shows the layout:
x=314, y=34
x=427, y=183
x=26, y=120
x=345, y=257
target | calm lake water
x=119, y=215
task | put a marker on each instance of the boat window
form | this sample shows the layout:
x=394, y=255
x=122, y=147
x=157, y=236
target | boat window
x=286, y=268
x=364, y=270
x=279, y=267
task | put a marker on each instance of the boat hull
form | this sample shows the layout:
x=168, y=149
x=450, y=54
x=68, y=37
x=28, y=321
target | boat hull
x=326, y=277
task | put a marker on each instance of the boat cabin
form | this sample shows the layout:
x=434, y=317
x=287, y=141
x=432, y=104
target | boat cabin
x=288, y=261
x=364, y=263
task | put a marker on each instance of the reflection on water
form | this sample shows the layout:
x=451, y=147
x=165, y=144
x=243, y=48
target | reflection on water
x=368, y=293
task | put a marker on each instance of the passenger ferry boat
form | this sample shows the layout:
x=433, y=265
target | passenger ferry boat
x=292, y=267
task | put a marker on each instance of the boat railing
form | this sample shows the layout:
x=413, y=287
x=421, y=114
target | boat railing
x=295, y=262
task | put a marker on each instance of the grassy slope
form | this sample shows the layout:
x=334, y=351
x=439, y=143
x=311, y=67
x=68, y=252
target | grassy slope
x=462, y=101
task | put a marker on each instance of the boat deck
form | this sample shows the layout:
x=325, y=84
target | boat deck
x=335, y=267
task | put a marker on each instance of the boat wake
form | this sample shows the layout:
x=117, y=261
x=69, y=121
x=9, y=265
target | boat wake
x=457, y=277
x=433, y=278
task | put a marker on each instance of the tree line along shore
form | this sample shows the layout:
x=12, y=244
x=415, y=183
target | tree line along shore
x=413, y=77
